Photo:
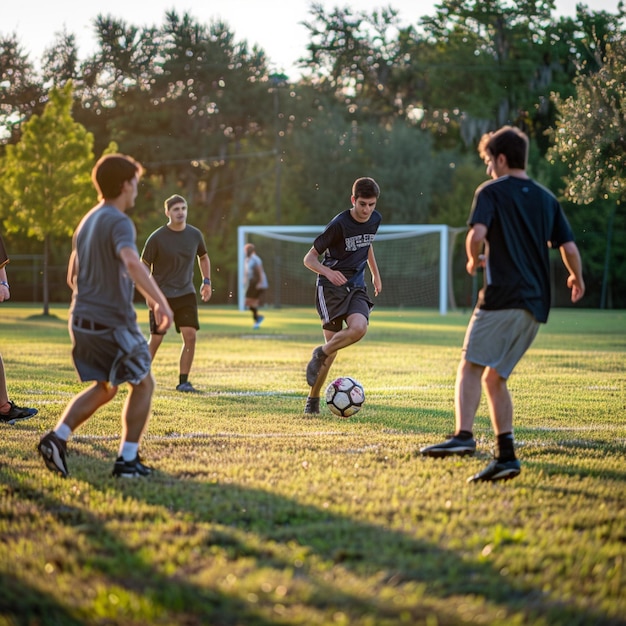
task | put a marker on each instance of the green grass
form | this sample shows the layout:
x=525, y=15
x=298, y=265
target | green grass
x=260, y=516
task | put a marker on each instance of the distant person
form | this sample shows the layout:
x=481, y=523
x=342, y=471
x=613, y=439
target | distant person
x=9, y=411
x=255, y=283
x=341, y=294
x=108, y=347
x=170, y=253
x=513, y=224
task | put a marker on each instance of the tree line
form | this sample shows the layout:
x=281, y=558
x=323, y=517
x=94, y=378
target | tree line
x=406, y=104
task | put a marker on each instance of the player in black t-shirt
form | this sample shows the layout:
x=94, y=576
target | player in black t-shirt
x=341, y=294
x=513, y=223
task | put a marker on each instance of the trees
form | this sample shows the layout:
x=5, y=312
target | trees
x=46, y=176
x=403, y=103
x=590, y=140
x=359, y=57
x=489, y=63
x=21, y=94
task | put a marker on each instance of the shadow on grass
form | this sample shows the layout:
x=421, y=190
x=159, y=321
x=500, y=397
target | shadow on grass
x=180, y=602
x=577, y=471
x=28, y=606
x=272, y=533
x=50, y=317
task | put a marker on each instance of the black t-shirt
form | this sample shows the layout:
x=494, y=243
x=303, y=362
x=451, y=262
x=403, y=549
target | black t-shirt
x=345, y=244
x=523, y=219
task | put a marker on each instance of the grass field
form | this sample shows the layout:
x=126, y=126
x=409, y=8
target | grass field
x=259, y=516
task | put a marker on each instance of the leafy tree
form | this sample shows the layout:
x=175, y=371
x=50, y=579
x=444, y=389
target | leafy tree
x=359, y=57
x=408, y=170
x=487, y=62
x=590, y=133
x=60, y=62
x=21, y=93
x=452, y=201
x=46, y=176
x=590, y=140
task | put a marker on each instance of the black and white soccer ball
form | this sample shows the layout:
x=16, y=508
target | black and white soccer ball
x=345, y=396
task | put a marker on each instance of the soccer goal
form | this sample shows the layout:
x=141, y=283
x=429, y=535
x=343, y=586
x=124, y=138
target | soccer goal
x=414, y=259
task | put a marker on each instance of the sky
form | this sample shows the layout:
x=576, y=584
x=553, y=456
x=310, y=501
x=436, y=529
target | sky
x=275, y=25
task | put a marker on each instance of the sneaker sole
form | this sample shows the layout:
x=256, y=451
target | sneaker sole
x=52, y=459
x=14, y=420
x=135, y=475
x=502, y=475
x=438, y=454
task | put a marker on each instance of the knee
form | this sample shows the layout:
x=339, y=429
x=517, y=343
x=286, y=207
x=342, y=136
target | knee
x=358, y=331
x=468, y=371
x=189, y=339
x=107, y=391
x=147, y=385
x=493, y=382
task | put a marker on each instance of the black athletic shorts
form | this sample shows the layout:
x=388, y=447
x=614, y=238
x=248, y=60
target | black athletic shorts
x=185, y=310
x=335, y=304
x=254, y=293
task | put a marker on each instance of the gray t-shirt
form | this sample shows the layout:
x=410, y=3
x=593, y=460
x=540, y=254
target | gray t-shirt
x=171, y=256
x=104, y=291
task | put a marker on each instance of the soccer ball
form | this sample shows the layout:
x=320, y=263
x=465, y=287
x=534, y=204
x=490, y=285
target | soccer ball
x=345, y=396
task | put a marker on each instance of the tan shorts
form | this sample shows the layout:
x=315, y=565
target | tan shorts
x=499, y=339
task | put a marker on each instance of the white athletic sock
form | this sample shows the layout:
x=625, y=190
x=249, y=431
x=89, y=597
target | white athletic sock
x=63, y=432
x=128, y=450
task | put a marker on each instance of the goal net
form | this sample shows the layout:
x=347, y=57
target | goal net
x=414, y=260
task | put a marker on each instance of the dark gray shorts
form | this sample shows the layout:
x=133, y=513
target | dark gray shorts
x=499, y=339
x=334, y=304
x=115, y=355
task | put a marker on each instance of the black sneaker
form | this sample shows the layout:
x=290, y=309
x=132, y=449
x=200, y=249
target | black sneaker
x=497, y=470
x=16, y=414
x=312, y=406
x=130, y=469
x=315, y=365
x=53, y=451
x=452, y=446
x=186, y=388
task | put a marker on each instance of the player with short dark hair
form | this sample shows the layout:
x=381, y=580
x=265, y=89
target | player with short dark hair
x=170, y=253
x=108, y=346
x=513, y=223
x=341, y=294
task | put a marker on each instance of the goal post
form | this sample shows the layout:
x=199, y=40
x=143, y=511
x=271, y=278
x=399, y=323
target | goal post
x=414, y=259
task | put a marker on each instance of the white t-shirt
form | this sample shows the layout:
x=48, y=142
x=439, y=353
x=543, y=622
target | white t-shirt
x=252, y=263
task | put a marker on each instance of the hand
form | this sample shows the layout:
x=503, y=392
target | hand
x=577, y=287
x=378, y=286
x=206, y=291
x=163, y=317
x=336, y=278
x=473, y=265
x=5, y=294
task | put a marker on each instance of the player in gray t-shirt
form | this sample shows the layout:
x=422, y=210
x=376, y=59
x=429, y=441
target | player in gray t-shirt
x=170, y=252
x=108, y=347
